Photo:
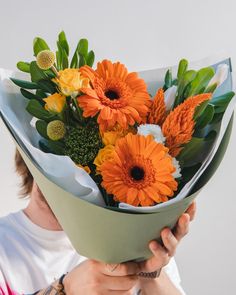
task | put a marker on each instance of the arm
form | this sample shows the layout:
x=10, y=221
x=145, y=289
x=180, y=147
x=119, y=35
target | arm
x=162, y=255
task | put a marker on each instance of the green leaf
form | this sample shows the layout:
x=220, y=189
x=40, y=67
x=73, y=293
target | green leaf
x=183, y=65
x=47, y=86
x=201, y=80
x=36, y=73
x=30, y=95
x=83, y=47
x=57, y=147
x=41, y=93
x=200, y=109
x=190, y=150
x=184, y=85
x=74, y=62
x=82, y=60
x=62, y=57
x=168, y=80
x=23, y=66
x=206, y=117
x=41, y=127
x=222, y=100
x=90, y=58
x=211, y=88
x=63, y=42
x=25, y=84
x=81, y=50
x=36, y=110
x=39, y=45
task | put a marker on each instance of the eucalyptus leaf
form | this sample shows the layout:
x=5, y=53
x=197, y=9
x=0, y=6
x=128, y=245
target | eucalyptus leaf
x=23, y=66
x=25, y=84
x=36, y=73
x=41, y=127
x=36, y=110
x=39, y=45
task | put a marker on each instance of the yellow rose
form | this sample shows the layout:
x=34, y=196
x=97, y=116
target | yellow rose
x=110, y=137
x=55, y=103
x=103, y=155
x=70, y=81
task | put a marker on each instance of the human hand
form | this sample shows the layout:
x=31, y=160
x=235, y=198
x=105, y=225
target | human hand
x=163, y=253
x=95, y=278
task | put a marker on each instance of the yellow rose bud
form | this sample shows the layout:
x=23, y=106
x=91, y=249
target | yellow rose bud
x=103, y=155
x=70, y=81
x=55, y=103
x=45, y=59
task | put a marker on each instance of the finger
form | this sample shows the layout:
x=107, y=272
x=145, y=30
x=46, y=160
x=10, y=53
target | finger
x=192, y=210
x=169, y=240
x=159, y=259
x=122, y=269
x=182, y=227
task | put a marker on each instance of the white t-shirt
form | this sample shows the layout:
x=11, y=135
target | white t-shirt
x=31, y=258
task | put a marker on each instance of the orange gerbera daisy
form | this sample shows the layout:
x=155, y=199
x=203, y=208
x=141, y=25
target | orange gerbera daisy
x=116, y=96
x=179, y=125
x=157, y=113
x=139, y=172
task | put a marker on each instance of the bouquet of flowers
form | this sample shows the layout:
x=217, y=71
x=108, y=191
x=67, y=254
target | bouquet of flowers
x=114, y=151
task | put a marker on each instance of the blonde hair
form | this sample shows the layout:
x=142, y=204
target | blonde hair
x=26, y=177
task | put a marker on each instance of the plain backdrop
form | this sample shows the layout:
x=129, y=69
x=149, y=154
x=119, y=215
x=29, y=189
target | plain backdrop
x=143, y=35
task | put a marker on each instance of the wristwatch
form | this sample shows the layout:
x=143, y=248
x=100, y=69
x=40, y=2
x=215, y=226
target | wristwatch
x=150, y=275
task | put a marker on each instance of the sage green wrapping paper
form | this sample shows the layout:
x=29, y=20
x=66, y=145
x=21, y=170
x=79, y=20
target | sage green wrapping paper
x=111, y=236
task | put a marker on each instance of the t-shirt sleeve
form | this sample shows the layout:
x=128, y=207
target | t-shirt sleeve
x=172, y=271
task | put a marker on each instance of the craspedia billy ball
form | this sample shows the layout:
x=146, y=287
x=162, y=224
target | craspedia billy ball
x=56, y=130
x=45, y=59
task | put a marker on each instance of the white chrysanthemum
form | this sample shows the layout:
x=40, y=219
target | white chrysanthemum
x=177, y=172
x=169, y=96
x=220, y=75
x=151, y=129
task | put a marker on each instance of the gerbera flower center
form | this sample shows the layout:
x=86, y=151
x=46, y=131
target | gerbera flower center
x=112, y=94
x=137, y=173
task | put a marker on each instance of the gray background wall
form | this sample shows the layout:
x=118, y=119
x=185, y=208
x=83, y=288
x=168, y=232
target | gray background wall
x=143, y=35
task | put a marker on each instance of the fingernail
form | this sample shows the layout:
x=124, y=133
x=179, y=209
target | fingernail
x=154, y=246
